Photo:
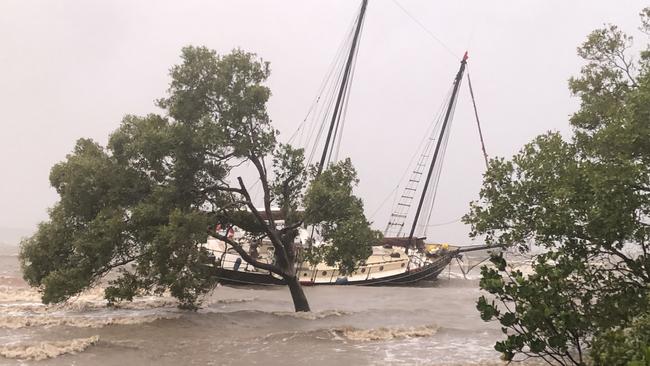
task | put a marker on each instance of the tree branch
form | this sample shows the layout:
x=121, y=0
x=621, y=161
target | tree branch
x=216, y=187
x=220, y=157
x=626, y=67
x=270, y=231
x=109, y=267
x=261, y=170
x=242, y=253
x=291, y=227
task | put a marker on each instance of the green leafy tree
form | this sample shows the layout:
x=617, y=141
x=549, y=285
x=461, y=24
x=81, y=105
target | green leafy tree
x=629, y=345
x=338, y=216
x=586, y=202
x=144, y=204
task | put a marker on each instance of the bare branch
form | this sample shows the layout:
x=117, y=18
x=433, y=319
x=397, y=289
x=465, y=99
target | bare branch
x=242, y=253
x=220, y=157
x=626, y=66
x=291, y=227
x=270, y=230
x=261, y=170
x=219, y=188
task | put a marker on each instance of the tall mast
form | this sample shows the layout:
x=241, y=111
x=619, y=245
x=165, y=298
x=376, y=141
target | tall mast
x=336, y=115
x=448, y=113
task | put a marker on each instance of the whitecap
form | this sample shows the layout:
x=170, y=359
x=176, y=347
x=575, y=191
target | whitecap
x=386, y=333
x=18, y=322
x=46, y=349
x=312, y=315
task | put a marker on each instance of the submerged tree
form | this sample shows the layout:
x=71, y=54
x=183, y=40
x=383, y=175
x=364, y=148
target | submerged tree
x=586, y=201
x=151, y=197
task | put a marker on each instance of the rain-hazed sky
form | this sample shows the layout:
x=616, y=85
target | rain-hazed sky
x=71, y=69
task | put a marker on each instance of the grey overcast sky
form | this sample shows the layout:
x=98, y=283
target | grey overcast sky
x=71, y=69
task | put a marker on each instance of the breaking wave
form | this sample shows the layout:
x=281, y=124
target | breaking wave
x=15, y=294
x=93, y=299
x=314, y=315
x=18, y=322
x=21, y=308
x=357, y=334
x=143, y=303
x=90, y=299
x=385, y=333
x=46, y=349
x=232, y=301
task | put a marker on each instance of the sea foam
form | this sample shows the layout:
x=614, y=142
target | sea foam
x=312, y=315
x=18, y=322
x=386, y=333
x=46, y=349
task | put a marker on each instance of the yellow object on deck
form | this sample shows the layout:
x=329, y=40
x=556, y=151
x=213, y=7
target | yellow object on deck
x=432, y=248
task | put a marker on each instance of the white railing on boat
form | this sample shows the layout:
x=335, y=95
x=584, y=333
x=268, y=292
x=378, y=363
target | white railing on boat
x=228, y=261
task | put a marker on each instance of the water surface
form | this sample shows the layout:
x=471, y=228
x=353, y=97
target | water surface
x=436, y=325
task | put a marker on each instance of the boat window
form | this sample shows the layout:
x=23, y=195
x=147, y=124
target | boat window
x=304, y=274
x=403, y=265
x=381, y=268
x=324, y=273
x=363, y=270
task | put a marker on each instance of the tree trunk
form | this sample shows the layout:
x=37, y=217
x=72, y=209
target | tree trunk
x=297, y=294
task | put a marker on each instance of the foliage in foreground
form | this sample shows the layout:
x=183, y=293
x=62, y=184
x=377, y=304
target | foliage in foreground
x=586, y=202
x=630, y=344
x=151, y=197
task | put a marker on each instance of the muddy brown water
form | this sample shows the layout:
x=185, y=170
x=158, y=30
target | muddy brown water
x=435, y=325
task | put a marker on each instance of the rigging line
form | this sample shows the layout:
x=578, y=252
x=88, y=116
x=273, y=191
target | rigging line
x=398, y=215
x=446, y=223
x=391, y=194
x=325, y=80
x=436, y=180
x=474, y=266
x=454, y=97
x=346, y=103
x=438, y=172
x=323, y=116
x=469, y=267
x=460, y=266
x=337, y=135
x=302, y=125
x=478, y=123
x=427, y=136
x=344, y=111
x=324, y=112
x=348, y=89
x=433, y=190
x=340, y=120
x=431, y=195
x=430, y=133
x=355, y=42
x=337, y=140
x=430, y=33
